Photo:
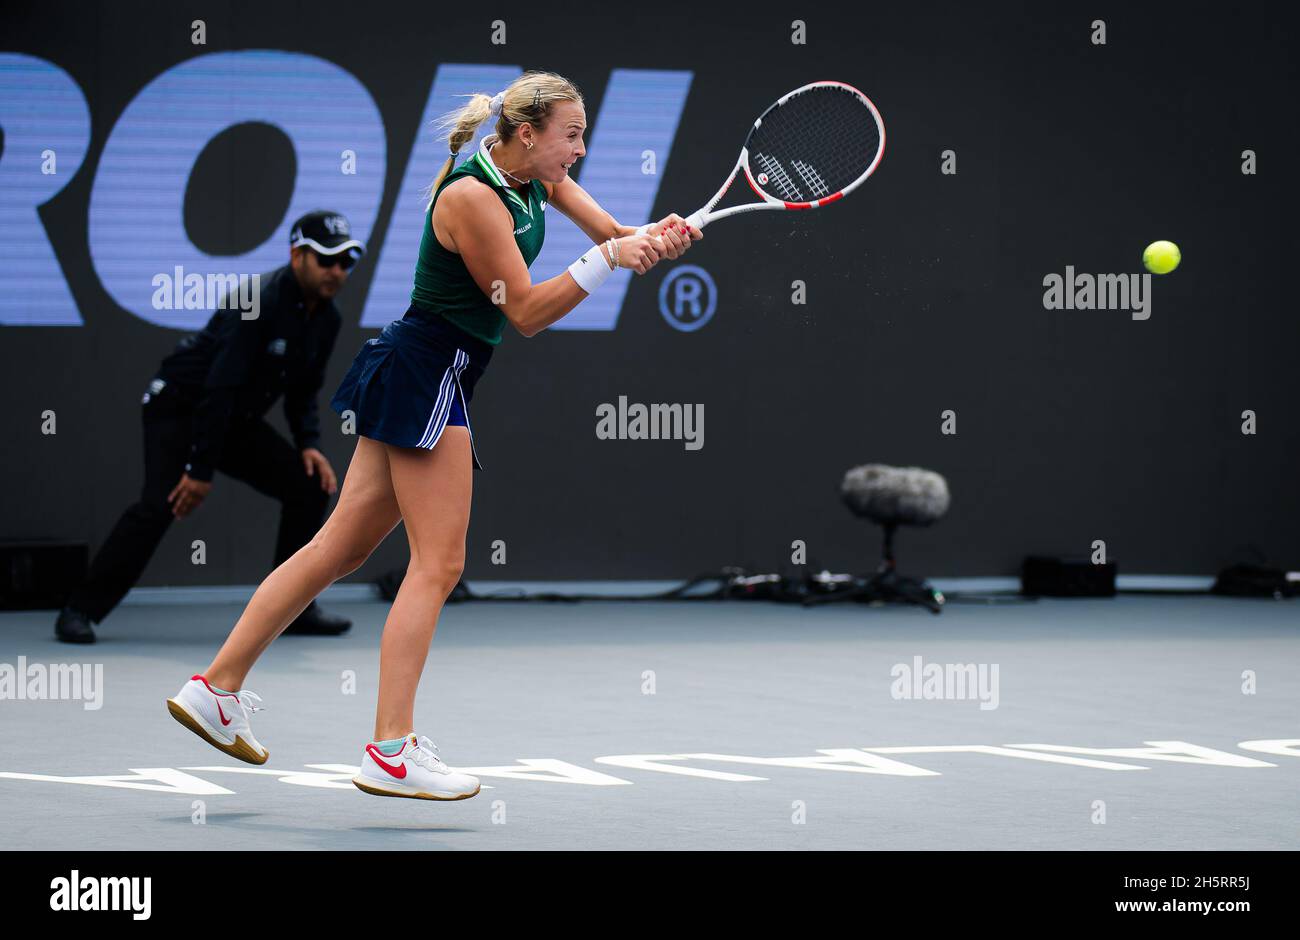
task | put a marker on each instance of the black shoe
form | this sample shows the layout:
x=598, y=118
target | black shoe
x=315, y=622
x=73, y=627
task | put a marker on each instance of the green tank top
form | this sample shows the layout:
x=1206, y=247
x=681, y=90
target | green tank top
x=442, y=282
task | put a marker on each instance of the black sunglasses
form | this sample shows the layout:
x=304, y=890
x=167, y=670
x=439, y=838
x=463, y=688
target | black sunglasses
x=344, y=259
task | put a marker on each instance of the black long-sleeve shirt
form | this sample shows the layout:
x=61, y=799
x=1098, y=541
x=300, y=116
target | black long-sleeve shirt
x=235, y=369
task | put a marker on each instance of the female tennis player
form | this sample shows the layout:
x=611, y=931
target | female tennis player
x=410, y=390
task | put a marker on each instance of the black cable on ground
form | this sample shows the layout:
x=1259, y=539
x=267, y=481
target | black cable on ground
x=463, y=593
x=989, y=599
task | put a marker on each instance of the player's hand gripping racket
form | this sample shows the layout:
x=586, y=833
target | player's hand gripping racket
x=814, y=146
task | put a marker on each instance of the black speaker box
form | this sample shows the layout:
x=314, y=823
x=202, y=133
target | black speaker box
x=1257, y=581
x=1042, y=576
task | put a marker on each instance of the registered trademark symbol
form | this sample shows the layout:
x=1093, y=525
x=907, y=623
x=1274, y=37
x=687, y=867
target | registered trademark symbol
x=688, y=298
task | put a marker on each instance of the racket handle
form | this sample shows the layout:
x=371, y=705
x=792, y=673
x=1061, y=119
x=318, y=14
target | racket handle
x=697, y=219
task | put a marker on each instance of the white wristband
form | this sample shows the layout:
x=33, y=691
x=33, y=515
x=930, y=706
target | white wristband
x=641, y=230
x=591, y=270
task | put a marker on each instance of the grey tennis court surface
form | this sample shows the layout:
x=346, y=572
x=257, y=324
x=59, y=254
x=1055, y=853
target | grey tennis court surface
x=630, y=726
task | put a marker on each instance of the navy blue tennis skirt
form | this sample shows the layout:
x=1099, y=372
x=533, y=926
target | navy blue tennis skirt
x=414, y=379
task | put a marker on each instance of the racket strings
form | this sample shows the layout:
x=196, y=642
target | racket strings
x=815, y=144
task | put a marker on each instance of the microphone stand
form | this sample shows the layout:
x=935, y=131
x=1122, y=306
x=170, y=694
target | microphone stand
x=886, y=585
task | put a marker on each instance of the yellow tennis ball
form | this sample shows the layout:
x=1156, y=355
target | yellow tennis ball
x=1161, y=257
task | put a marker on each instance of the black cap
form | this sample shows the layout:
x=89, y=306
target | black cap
x=327, y=232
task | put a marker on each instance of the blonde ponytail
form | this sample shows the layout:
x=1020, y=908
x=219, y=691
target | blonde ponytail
x=459, y=128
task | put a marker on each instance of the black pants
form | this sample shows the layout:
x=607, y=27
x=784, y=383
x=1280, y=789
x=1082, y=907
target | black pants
x=253, y=452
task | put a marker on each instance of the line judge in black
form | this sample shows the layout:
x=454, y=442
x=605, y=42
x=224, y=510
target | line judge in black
x=204, y=412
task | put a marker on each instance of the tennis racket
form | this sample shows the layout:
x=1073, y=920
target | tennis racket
x=814, y=146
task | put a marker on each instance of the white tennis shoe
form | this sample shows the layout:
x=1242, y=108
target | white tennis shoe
x=415, y=771
x=220, y=718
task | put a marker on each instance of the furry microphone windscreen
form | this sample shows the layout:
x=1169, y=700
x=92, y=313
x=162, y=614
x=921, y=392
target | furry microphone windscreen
x=901, y=495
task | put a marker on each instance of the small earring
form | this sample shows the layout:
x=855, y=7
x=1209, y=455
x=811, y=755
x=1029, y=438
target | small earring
x=528, y=144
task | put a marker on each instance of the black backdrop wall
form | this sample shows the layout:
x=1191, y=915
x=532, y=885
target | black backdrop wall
x=924, y=291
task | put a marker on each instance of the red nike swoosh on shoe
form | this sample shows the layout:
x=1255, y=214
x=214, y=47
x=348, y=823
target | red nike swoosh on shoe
x=399, y=771
x=224, y=719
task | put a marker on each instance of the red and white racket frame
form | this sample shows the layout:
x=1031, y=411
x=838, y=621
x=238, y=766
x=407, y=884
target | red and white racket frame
x=705, y=215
